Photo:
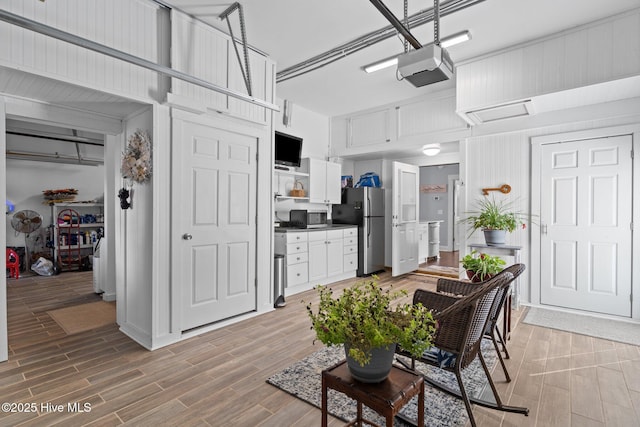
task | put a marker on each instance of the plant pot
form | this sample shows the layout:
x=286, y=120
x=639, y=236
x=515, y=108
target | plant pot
x=377, y=370
x=476, y=278
x=494, y=237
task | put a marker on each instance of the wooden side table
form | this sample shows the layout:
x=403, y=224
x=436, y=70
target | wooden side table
x=386, y=398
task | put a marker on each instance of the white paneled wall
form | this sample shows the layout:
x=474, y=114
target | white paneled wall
x=207, y=53
x=600, y=52
x=494, y=160
x=201, y=51
x=131, y=26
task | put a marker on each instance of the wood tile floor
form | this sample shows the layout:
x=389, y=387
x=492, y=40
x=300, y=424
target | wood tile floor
x=218, y=378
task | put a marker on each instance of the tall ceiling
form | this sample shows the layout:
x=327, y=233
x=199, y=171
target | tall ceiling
x=292, y=31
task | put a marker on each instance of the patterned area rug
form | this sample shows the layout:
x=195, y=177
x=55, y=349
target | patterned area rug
x=303, y=380
x=614, y=330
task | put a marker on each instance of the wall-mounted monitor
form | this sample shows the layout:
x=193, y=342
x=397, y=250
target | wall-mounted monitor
x=288, y=149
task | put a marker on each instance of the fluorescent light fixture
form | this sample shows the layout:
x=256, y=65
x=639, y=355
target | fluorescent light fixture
x=391, y=61
x=454, y=39
x=379, y=65
x=431, y=149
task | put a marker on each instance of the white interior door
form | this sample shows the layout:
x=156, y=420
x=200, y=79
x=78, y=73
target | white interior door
x=404, y=219
x=585, y=206
x=216, y=222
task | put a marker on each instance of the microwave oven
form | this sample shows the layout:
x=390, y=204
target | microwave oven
x=302, y=218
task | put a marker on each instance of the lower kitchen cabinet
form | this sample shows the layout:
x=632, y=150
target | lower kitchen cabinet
x=317, y=257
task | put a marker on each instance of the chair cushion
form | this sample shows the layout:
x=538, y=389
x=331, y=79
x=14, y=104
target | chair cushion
x=441, y=358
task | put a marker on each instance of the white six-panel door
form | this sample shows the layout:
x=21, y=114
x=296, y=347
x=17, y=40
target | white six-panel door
x=215, y=222
x=585, y=206
x=404, y=222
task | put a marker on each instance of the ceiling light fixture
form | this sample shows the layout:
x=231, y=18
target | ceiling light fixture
x=431, y=149
x=446, y=42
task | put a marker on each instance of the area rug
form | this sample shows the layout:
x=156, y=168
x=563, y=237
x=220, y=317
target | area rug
x=84, y=317
x=303, y=380
x=613, y=330
x=440, y=270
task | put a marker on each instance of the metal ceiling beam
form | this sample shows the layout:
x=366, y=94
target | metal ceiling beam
x=369, y=39
x=55, y=137
x=41, y=28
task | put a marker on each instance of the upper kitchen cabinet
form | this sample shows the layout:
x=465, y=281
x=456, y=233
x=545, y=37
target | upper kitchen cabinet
x=410, y=123
x=324, y=183
x=369, y=128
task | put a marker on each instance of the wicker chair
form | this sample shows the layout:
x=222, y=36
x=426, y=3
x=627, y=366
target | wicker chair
x=492, y=331
x=462, y=317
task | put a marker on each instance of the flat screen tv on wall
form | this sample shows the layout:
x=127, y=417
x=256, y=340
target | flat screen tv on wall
x=288, y=149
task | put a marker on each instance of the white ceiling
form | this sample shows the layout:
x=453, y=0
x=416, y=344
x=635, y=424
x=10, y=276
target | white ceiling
x=291, y=31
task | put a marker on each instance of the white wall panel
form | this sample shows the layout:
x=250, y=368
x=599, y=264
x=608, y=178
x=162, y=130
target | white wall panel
x=207, y=53
x=126, y=25
x=588, y=55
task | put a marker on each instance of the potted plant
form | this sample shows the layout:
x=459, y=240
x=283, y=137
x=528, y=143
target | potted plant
x=494, y=219
x=364, y=320
x=481, y=266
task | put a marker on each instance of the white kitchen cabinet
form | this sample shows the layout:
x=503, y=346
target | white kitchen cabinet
x=434, y=239
x=317, y=257
x=429, y=240
x=350, y=246
x=294, y=247
x=324, y=183
x=423, y=242
x=325, y=253
x=369, y=128
x=335, y=257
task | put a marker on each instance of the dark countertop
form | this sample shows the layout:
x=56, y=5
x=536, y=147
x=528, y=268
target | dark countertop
x=328, y=227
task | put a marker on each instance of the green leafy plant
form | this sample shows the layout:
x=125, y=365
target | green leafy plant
x=363, y=317
x=483, y=266
x=495, y=215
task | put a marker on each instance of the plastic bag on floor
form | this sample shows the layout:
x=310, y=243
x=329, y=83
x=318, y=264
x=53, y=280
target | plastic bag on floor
x=43, y=267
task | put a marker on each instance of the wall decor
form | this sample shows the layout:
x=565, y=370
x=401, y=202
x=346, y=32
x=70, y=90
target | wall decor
x=504, y=189
x=136, y=160
x=433, y=188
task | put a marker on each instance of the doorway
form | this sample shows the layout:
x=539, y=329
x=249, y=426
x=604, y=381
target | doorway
x=40, y=176
x=583, y=189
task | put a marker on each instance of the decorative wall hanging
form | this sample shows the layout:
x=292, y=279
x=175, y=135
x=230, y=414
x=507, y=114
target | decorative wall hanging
x=136, y=161
x=433, y=188
x=505, y=189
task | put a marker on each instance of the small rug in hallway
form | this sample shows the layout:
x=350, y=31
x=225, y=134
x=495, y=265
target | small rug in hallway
x=440, y=270
x=84, y=317
x=613, y=330
x=303, y=380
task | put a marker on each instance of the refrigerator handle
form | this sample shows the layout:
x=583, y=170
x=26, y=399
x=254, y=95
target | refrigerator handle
x=368, y=234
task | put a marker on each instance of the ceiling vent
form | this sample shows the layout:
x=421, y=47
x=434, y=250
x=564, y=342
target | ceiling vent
x=427, y=65
x=501, y=112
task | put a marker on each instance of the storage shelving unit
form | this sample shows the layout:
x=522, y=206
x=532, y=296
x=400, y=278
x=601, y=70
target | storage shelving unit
x=75, y=232
x=285, y=180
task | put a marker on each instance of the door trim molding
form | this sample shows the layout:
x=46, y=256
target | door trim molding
x=536, y=151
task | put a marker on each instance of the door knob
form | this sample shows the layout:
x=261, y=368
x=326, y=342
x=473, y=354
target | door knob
x=187, y=236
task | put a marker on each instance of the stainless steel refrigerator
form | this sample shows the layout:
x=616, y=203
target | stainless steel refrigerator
x=364, y=207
